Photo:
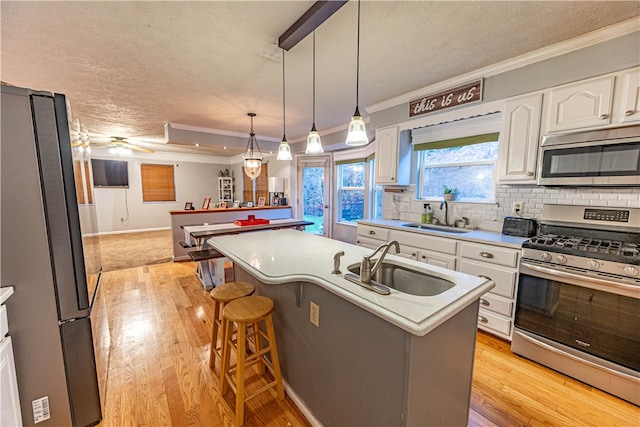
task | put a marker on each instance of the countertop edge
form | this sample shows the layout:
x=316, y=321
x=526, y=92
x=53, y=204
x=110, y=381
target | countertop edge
x=476, y=236
x=5, y=293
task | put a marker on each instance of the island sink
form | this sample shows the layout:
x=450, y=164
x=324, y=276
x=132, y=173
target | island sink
x=401, y=279
x=444, y=228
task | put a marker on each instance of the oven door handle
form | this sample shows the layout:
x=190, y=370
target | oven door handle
x=580, y=280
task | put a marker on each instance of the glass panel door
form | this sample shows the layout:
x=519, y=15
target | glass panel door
x=313, y=178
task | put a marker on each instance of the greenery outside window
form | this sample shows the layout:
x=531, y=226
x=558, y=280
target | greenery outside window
x=350, y=198
x=466, y=164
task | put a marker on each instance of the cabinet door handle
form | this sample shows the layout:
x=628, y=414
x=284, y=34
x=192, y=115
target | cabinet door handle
x=485, y=277
x=373, y=233
x=483, y=319
x=529, y=173
x=604, y=116
x=486, y=254
x=393, y=178
x=628, y=113
x=484, y=302
x=424, y=257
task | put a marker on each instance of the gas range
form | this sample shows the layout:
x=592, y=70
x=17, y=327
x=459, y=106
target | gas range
x=578, y=304
x=590, y=240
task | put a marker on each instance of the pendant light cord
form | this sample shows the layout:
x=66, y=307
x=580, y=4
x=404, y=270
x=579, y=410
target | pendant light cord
x=314, y=79
x=358, y=58
x=284, y=100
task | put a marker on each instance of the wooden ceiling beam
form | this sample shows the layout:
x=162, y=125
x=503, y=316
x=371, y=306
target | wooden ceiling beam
x=307, y=23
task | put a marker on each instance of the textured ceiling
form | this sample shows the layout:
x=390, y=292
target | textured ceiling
x=130, y=67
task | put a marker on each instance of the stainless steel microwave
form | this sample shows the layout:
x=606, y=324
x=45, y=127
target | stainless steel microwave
x=608, y=157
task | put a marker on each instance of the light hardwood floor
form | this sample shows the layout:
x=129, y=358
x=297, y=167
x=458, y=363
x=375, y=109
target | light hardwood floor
x=153, y=327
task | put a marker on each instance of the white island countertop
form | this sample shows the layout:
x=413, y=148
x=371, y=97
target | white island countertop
x=5, y=293
x=285, y=256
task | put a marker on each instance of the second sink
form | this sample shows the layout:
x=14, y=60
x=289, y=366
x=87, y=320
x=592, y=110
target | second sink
x=432, y=227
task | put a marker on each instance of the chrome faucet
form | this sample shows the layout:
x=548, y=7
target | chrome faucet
x=444, y=203
x=366, y=271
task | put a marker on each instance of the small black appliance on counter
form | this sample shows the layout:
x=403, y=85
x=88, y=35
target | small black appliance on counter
x=520, y=227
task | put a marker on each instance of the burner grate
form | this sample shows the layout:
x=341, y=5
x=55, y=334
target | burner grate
x=591, y=247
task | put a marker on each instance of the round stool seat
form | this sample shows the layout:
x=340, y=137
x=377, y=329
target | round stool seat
x=231, y=291
x=248, y=309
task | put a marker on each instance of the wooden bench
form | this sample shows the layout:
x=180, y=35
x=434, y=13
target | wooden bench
x=204, y=254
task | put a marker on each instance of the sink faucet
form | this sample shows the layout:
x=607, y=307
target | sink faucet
x=336, y=262
x=366, y=271
x=444, y=203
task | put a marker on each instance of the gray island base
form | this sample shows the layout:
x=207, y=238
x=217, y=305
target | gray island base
x=356, y=369
x=372, y=360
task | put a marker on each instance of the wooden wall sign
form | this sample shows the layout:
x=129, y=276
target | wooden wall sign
x=471, y=92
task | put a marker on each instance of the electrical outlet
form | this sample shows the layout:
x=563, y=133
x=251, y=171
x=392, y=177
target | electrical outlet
x=517, y=208
x=314, y=314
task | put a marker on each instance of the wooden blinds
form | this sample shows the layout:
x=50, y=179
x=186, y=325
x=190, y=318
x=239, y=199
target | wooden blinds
x=158, y=184
x=262, y=186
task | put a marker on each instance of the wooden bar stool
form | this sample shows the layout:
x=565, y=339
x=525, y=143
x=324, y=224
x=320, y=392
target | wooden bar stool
x=245, y=312
x=221, y=295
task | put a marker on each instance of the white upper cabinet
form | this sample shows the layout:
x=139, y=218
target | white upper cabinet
x=629, y=84
x=391, y=156
x=580, y=105
x=519, y=139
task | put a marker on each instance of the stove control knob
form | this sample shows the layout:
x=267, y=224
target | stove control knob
x=630, y=270
x=561, y=259
x=546, y=256
x=593, y=264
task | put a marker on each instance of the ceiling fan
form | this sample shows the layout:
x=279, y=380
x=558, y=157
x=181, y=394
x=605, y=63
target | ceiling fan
x=117, y=145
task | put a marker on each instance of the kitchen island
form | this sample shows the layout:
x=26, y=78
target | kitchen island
x=372, y=359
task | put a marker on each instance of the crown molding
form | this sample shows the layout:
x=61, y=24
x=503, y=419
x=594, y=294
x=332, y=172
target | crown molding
x=166, y=157
x=560, y=48
x=211, y=131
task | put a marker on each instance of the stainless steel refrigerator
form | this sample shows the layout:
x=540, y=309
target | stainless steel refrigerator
x=49, y=255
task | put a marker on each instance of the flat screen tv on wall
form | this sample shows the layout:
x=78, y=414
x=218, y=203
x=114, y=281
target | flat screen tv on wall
x=110, y=173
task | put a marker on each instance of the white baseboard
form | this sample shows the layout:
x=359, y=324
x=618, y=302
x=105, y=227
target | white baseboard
x=301, y=405
x=141, y=230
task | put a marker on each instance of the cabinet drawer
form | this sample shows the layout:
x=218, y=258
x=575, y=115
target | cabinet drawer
x=494, y=322
x=406, y=251
x=496, y=304
x=504, y=278
x=368, y=243
x=491, y=254
x=4, y=323
x=373, y=232
x=436, y=258
x=424, y=241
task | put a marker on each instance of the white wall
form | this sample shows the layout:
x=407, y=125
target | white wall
x=194, y=180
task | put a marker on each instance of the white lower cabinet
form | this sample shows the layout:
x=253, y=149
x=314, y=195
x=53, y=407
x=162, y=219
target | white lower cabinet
x=10, y=414
x=438, y=259
x=497, y=307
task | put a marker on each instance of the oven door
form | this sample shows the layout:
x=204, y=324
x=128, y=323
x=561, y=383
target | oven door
x=598, y=163
x=590, y=314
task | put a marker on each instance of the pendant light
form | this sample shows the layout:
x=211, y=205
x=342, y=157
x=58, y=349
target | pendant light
x=252, y=159
x=314, y=145
x=357, y=134
x=284, y=150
